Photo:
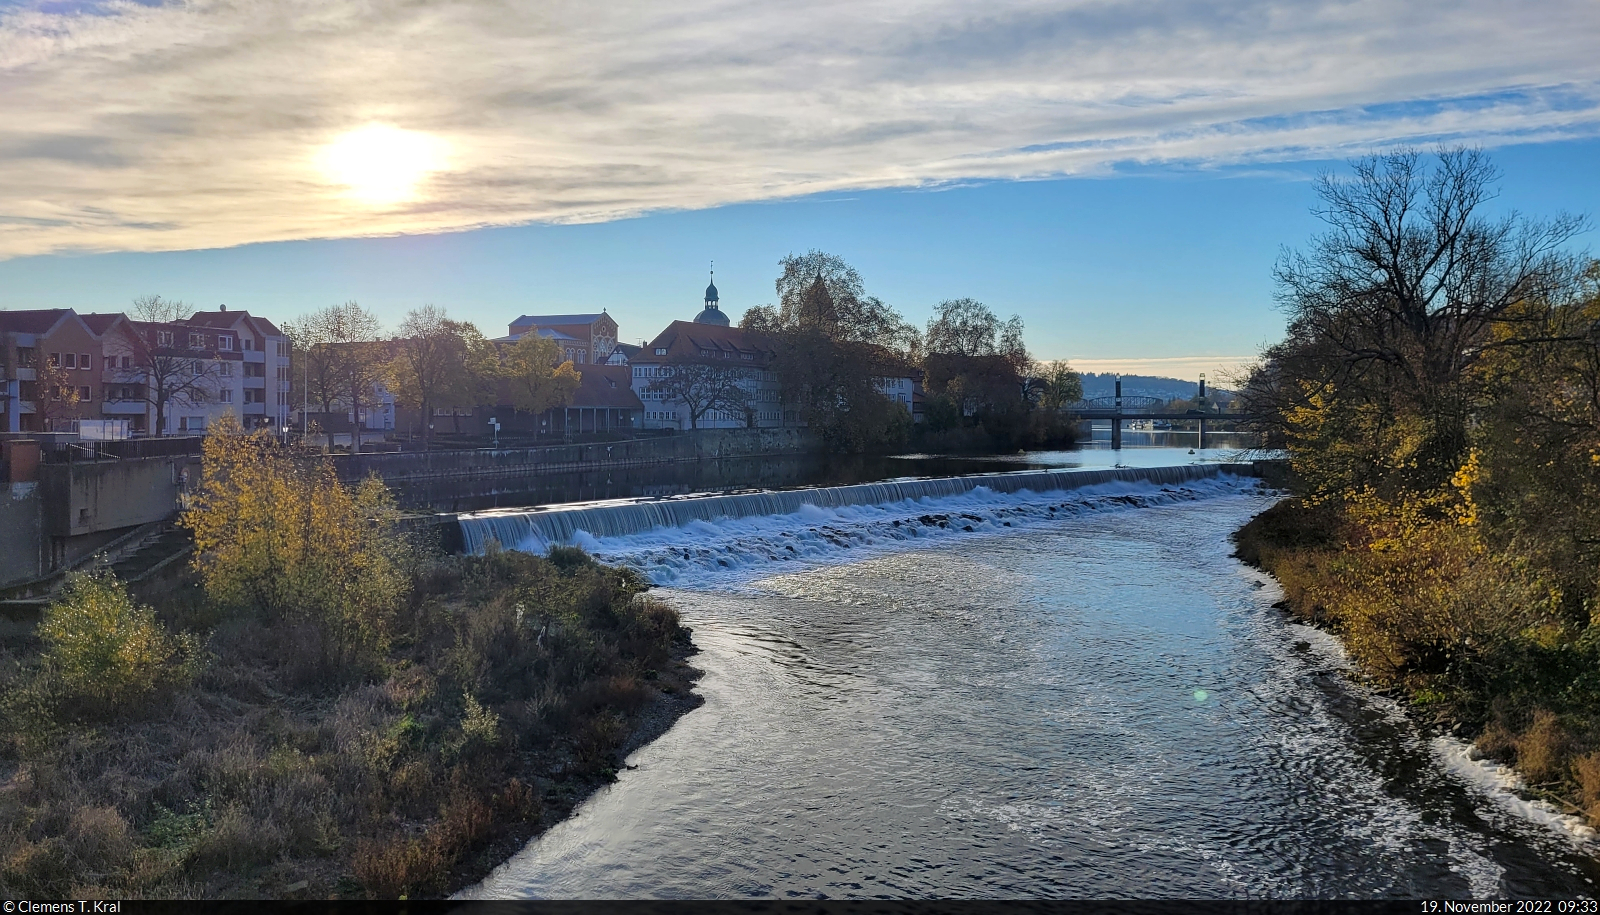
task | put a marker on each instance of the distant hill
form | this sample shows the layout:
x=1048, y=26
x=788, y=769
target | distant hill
x=1103, y=384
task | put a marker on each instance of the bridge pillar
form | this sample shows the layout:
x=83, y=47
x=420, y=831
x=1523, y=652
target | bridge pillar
x=1200, y=442
x=1116, y=419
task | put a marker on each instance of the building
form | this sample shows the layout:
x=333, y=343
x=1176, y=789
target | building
x=727, y=358
x=584, y=339
x=201, y=367
x=253, y=358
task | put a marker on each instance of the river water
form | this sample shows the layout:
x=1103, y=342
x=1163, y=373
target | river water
x=1067, y=694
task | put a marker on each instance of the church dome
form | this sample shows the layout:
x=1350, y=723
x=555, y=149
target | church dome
x=711, y=293
x=712, y=315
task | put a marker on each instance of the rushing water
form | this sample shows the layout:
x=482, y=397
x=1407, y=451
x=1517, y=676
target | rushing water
x=1082, y=696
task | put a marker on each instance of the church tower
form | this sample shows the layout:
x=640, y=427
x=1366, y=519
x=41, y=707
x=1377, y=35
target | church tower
x=713, y=312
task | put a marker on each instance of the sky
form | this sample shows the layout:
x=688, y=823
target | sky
x=1120, y=173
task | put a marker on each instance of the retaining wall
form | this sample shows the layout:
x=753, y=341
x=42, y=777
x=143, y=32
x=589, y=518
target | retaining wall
x=490, y=462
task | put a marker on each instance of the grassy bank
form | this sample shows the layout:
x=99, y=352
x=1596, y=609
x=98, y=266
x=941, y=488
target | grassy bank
x=263, y=767
x=319, y=705
x=1473, y=638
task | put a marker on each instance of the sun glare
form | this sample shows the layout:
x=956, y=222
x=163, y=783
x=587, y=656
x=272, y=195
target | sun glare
x=382, y=165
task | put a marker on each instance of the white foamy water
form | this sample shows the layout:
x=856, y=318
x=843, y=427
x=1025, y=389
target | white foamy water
x=984, y=693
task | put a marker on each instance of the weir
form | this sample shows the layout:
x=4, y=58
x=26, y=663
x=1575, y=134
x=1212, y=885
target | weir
x=536, y=530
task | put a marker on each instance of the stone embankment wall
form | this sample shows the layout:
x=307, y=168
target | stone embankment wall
x=705, y=444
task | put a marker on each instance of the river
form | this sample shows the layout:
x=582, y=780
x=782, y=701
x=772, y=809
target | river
x=1054, y=694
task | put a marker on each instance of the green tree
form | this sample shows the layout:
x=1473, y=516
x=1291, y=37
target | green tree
x=1059, y=385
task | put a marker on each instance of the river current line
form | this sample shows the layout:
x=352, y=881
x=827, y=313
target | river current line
x=1052, y=694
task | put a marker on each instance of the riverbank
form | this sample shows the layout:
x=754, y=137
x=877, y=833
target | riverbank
x=1461, y=634
x=272, y=767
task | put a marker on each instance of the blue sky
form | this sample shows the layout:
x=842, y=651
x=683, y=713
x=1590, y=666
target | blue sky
x=1163, y=264
x=1121, y=173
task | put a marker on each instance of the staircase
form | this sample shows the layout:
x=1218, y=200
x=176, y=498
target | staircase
x=154, y=552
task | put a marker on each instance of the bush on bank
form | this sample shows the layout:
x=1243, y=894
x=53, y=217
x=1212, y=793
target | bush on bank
x=266, y=740
x=1438, y=390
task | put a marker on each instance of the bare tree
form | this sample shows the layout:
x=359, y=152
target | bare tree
x=344, y=358
x=1400, y=297
x=163, y=366
x=438, y=362
x=702, y=387
x=153, y=309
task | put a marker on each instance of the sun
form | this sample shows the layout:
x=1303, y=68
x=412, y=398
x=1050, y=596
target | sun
x=382, y=164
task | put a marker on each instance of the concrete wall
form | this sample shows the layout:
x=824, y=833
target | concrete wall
x=92, y=498
x=690, y=446
x=23, y=552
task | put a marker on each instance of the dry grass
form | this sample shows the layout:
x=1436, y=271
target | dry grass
x=1470, y=637
x=274, y=770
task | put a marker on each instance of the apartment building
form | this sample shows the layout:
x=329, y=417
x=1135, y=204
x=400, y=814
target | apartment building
x=188, y=373
x=52, y=369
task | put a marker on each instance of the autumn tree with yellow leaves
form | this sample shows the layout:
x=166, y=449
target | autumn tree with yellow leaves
x=276, y=533
x=1438, y=393
x=536, y=375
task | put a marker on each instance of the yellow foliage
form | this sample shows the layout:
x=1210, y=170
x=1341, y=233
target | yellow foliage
x=102, y=645
x=276, y=531
x=537, y=382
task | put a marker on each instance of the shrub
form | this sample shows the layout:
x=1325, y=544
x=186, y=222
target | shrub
x=100, y=645
x=276, y=531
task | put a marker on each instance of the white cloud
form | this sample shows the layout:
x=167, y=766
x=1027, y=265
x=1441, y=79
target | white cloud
x=201, y=124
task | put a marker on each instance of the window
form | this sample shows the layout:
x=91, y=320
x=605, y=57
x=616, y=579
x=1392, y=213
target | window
x=255, y=370
x=197, y=367
x=225, y=395
x=71, y=360
x=661, y=351
x=197, y=340
x=85, y=394
x=127, y=362
x=84, y=362
x=247, y=344
x=163, y=338
x=197, y=396
x=225, y=369
x=224, y=342
x=26, y=357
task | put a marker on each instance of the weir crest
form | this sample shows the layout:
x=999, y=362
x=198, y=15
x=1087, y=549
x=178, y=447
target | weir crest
x=536, y=530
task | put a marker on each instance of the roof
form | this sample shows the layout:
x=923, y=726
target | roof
x=687, y=340
x=606, y=387
x=34, y=321
x=712, y=315
x=545, y=320
x=219, y=319
x=264, y=327
x=225, y=320
x=549, y=332
x=102, y=322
